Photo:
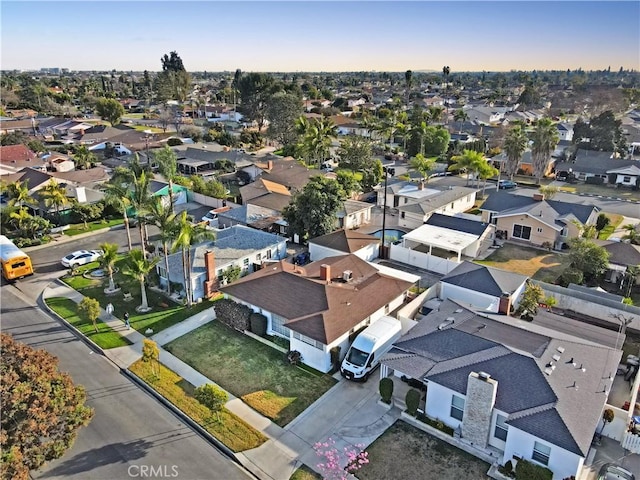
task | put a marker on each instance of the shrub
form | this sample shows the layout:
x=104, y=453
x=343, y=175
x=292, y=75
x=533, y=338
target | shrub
x=412, y=399
x=594, y=180
x=547, y=245
x=294, y=357
x=437, y=424
x=335, y=357
x=172, y=142
x=507, y=469
x=232, y=314
x=526, y=470
x=571, y=275
x=386, y=389
x=258, y=324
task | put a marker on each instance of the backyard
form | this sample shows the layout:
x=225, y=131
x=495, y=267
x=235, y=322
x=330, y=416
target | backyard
x=404, y=452
x=537, y=264
x=252, y=371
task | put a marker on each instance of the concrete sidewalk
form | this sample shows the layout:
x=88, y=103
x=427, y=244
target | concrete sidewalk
x=348, y=413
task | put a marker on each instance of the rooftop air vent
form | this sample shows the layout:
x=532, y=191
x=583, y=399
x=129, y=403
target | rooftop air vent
x=458, y=310
x=449, y=321
x=347, y=275
x=548, y=371
x=484, y=376
x=560, y=349
x=556, y=357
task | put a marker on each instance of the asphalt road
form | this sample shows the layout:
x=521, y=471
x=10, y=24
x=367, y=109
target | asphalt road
x=131, y=432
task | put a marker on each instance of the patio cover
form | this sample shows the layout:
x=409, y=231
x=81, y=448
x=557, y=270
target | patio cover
x=441, y=238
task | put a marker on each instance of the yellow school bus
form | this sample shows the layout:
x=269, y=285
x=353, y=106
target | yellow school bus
x=15, y=263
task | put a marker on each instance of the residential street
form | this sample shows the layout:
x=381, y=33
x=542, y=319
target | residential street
x=130, y=431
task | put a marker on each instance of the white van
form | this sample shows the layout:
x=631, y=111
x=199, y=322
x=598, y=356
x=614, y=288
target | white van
x=369, y=346
x=211, y=216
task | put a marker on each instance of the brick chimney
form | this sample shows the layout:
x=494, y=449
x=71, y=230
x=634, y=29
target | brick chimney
x=421, y=185
x=211, y=283
x=325, y=272
x=270, y=165
x=538, y=197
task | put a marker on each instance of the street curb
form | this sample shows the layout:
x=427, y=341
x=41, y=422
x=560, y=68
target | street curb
x=183, y=416
x=90, y=343
x=142, y=384
x=66, y=238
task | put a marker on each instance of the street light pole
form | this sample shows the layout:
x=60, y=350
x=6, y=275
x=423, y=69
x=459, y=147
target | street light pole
x=386, y=171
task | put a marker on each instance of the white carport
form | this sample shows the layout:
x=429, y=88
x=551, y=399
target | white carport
x=439, y=237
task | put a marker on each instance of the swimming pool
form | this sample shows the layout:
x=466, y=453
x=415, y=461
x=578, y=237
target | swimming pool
x=390, y=234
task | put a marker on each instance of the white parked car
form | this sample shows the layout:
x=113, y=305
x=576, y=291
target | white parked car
x=81, y=257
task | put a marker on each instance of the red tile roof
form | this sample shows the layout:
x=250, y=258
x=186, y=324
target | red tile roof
x=15, y=153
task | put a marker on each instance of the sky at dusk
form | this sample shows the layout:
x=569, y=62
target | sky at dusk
x=321, y=35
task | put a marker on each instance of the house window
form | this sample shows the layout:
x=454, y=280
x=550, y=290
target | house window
x=452, y=206
x=626, y=179
x=245, y=262
x=258, y=257
x=401, y=214
x=277, y=325
x=541, y=453
x=406, y=200
x=162, y=272
x=521, y=231
x=539, y=230
x=492, y=218
x=500, y=431
x=307, y=340
x=457, y=407
x=269, y=254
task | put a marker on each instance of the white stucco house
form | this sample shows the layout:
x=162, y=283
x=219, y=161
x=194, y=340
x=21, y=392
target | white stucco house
x=486, y=288
x=511, y=390
x=317, y=307
x=342, y=242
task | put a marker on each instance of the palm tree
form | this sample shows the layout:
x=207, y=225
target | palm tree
x=485, y=171
x=470, y=161
x=408, y=80
x=117, y=196
x=107, y=261
x=630, y=276
x=317, y=137
x=422, y=165
x=21, y=218
x=138, y=266
x=19, y=193
x=83, y=157
x=514, y=144
x=54, y=195
x=140, y=201
x=435, y=113
x=163, y=218
x=421, y=130
x=167, y=165
x=445, y=73
x=545, y=138
x=188, y=235
x=460, y=116
x=632, y=234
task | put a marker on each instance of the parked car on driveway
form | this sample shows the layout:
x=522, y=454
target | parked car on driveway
x=80, y=257
x=610, y=471
x=506, y=184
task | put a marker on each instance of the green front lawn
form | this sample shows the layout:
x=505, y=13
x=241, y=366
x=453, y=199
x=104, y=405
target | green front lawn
x=614, y=220
x=231, y=430
x=91, y=226
x=105, y=337
x=165, y=313
x=251, y=370
x=537, y=264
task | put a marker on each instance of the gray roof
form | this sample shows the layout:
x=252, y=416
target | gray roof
x=597, y=163
x=506, y=203
x=481, y=278
x=434, y=202
x=248, y=213
x=622, y=253
x=562, y=405
x=595, y=292
x=458, y=224
x=230, y=245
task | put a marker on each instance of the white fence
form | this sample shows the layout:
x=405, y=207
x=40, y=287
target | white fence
x=209, y=201
x=421, y=260
x=631, y=442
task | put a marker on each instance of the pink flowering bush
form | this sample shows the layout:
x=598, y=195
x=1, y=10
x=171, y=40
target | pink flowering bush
x=333, y=459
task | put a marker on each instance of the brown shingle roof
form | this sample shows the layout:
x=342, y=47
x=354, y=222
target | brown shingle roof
x=16, y=153
x=320, y=310
x=348, y=241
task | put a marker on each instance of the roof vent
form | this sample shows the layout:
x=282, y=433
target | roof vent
x=484, y=376
x=449, y=321
x=548, y=371
x=347, y=275
x=560, y=349
x=556, y=357
x=458, y=310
